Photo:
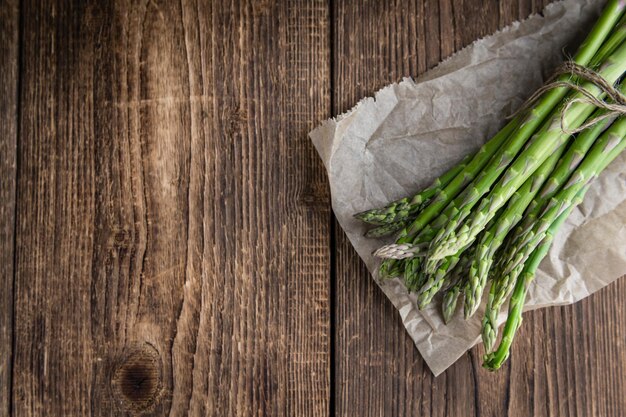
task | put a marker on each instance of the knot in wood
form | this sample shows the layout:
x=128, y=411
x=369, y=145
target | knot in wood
x=118, y=238
x=137, y=380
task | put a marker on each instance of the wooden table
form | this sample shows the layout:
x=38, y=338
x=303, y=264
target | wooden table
x=167, y=239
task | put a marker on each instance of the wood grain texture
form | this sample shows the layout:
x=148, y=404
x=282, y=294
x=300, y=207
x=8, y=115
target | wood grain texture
x=568, y=361
x=172, y=238
x=9, y=67
x=172, y=247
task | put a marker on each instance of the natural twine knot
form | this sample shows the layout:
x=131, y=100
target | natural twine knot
x=615, y=106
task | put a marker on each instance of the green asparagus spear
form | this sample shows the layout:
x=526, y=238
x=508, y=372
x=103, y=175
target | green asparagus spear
x=445, y=243
x=493, y=361
x=450, y=300
x=507, y=147
x=458, y=280
x=606, y=148
x=399, y=211
x=562, y=172
x=493, y=237
x=463, y=229
x=499, y=201
x=386, y=229
x=443, y=197
x=503, y=284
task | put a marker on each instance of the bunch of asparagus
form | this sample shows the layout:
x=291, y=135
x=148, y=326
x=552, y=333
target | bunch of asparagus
x=491, y=219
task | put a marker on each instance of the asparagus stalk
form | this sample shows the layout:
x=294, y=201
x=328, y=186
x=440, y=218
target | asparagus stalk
x=450, y=300
x=434, y=274
x=503, y=284
x=386, y=229
x=581, y=144
x=435, y=280
x=493, y=237
x=414, y=275
x=609, y=15
x=389, y=267
x=607, y=148
x=507, y=147
x=617, y=37
x=562, y=172
x=458, y=278
x=508, y=198
x=397, y=212
x=445, y=195
x=411, y=278
x=460, y=231
x=494, y=360
x=445, y=242
x=567, y=165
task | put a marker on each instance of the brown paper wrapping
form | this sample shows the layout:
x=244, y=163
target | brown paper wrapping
x=394, y=144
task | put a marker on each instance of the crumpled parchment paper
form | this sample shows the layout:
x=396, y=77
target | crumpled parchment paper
x=392, y=145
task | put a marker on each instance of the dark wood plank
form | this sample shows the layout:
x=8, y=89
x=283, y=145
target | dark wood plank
x=172, y=243
x=9, y=66
x=566, y=361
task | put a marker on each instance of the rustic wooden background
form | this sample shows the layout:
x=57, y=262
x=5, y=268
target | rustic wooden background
x=167, y=242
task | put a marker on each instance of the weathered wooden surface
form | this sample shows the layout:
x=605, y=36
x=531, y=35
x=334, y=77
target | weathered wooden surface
x=172, y=250
x=568, y=361
x=9, y=46
x=175, y=253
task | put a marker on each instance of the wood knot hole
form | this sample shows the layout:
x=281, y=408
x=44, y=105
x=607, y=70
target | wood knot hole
x=137, y=380
x=120, y=237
